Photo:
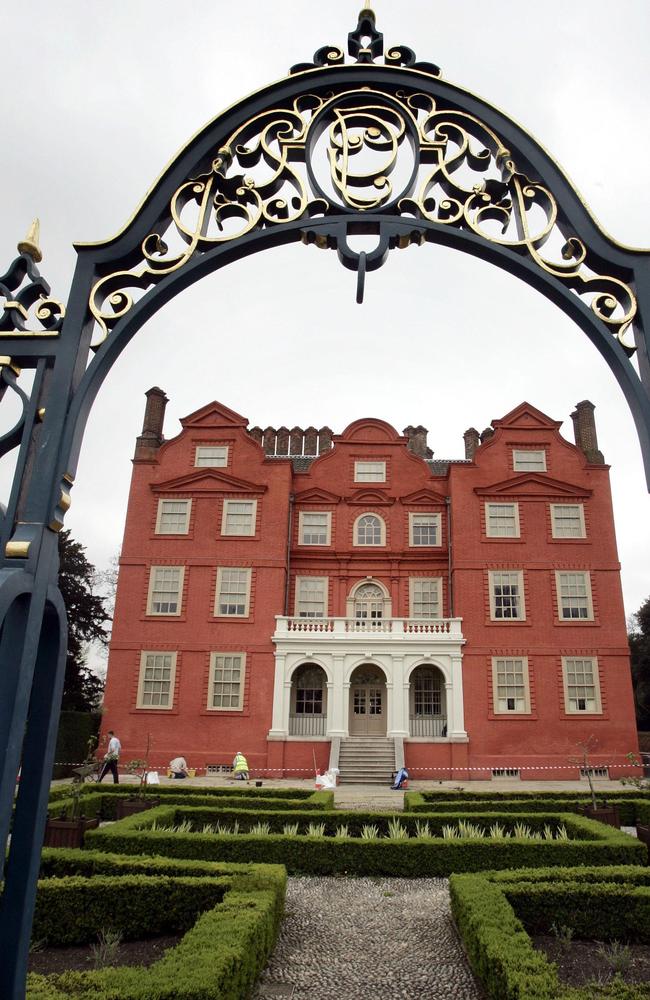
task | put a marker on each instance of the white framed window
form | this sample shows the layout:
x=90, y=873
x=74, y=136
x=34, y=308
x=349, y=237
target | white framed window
x=226, y=684
x=233, y=592
x=156, y=681
x=369, y=529
x=568, y=520
x=239, y=517
x=311, y=596
x=574, y=596
x=510, y=684
x=370, y=472
x=581, y=684
x=502, y=520
x=165, y=590
x=507, y=595
x=314, y=527
x=424, y=530
x=173, y=517
x=425, y=594
x=213, y=456
x=529, y=460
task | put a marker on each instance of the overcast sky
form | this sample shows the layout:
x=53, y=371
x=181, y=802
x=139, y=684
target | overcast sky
x=103, y=95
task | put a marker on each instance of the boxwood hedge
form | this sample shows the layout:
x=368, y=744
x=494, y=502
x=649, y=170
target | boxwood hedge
x=591, y=844
x=239, y=910
x=632, y=808
x=495, y=910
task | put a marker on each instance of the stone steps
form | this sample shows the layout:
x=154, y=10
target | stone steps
x=366, y=760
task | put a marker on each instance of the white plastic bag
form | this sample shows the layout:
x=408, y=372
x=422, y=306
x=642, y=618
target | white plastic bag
x=152, y=778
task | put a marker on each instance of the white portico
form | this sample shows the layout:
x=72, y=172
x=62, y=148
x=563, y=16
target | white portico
x=399, y=677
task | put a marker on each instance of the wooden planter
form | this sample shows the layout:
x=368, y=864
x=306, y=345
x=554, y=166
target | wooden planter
x=643, y=833
x=604, y=814
x=68, y=832
x=128, y=807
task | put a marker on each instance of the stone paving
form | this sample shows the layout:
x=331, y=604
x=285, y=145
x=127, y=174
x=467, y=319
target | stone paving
x=379, y=938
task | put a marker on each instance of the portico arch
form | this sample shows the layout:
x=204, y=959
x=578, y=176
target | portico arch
x=388, y=150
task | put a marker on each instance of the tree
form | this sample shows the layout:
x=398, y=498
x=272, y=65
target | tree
x=639, y=639
x=86, y=623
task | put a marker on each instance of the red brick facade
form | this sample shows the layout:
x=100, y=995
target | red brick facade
x=276, y=595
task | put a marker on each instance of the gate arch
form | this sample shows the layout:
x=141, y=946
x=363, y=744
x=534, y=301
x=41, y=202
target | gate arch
x=386, y=149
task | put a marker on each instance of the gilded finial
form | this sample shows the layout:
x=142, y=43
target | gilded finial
x=367, y=11
x=30, y=244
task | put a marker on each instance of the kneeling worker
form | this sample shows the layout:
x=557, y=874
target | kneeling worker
x=178, y=767
x=240, y=766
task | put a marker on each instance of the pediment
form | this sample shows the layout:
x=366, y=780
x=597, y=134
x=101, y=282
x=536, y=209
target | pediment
x=425, y=497
x=213, y=415
x=208, y=481
x=532, y=485
x=316, y=496
x=370, y=498
x=527, y=416
x=369, y=430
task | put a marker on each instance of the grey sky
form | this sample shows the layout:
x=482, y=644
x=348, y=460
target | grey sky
x=105, y=94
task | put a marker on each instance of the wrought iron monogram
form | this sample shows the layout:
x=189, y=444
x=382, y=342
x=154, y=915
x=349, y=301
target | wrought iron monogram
x=323, y=155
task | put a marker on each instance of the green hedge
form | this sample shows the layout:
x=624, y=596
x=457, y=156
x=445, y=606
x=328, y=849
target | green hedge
x=219, y=958
x=631, y=808
x=448, y=794
x=188, y=789
x=595, y=844
x=497, y=943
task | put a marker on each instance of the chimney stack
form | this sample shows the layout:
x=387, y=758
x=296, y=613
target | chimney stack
x=417, y=441
x=151, y=437
x=487, y=434
x=584, y=429
x=471, y=439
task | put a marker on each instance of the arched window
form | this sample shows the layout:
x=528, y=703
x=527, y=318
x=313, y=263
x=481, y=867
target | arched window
x=308, y=716
x=369, y=603
x=427, y=703
x=369, y=530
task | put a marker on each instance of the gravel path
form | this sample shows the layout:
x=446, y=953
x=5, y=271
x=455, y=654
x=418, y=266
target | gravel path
x=352, y=939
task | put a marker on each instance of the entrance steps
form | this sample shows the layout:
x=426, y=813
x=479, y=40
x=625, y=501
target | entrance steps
x=366, y=760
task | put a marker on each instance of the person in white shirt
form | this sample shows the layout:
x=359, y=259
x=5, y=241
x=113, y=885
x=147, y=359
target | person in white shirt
x=178, y=767
x=111, y=758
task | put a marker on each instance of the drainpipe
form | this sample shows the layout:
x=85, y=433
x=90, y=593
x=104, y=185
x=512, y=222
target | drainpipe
x=449, y=559
x=288, y=573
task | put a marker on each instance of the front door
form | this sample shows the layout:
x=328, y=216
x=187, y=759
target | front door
x=367, y=704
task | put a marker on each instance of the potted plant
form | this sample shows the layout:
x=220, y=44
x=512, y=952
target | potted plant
x=604, y=813
x=68, y=830
x=138, y=801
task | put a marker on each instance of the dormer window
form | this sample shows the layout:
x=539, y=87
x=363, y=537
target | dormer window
x=211, y=456
x=370, y=472
x=529, y=460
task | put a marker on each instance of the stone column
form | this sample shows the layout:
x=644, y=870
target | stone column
x=281, y=698
x=456, y=711
x=398, y=699
x=336, y=714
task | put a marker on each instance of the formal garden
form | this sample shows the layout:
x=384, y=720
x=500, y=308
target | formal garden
x=192, y=885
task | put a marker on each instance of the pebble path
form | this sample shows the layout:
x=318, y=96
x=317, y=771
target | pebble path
x=368, y=939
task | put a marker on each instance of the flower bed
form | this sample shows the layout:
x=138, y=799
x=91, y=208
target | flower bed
x=330, y=852
x=494, y=912
x=230, y=916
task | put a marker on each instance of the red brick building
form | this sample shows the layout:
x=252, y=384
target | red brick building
x=351, y=600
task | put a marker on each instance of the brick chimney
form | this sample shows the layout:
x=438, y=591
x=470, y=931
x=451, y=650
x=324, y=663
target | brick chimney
x=151, y=436
x=417, y=441
x=472, y=441
x=487, y=434
x=584, y=429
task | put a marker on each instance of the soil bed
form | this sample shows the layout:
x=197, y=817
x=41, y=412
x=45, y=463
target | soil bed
x=584, y=961
x=80, y=958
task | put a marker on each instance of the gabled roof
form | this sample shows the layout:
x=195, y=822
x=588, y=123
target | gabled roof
x=316, y=495
x=423, y=497
x=533, y=485
x=208, y=481
x=526, y=416
x=214, y=414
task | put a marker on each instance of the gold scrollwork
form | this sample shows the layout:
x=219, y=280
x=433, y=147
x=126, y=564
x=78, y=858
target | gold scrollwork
x=357, y=131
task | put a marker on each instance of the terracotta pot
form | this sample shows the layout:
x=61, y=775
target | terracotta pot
x=67, y=832
x=603, y=814
x=128, y=807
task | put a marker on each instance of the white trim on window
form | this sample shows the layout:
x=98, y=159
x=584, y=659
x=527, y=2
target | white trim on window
x=574, y=599
x=502, y=520
x=233, y=592
x=425, y=596
x=211, y=456
x=311, y=597
x=507, y=601
x=529, y=459
x=314, y=527
x=369, y=472
x=568, y=520
x=424, y=529
x=581, y=685
x=173, y=517
x=239, y=518
x=156, y=680
x=165, y=593
x=510, y=685
x=226, y=682
x=368, y=533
